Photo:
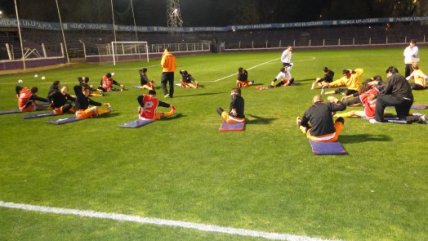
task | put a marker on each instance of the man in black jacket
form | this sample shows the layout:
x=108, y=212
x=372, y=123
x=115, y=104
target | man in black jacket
x=397, y=93
x=317, y=122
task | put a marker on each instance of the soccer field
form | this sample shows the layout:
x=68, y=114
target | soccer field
x=260, y=184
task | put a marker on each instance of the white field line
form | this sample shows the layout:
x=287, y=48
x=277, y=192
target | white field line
x=255, y=66
x=159, y=222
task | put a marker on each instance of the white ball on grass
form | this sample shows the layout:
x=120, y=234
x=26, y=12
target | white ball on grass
x=112, y=73
x=43, y=77
x=36, y=76
x=20, y=81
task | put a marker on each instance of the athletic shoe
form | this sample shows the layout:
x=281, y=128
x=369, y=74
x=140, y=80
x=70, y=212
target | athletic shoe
x=252, y=82
x=423, y=119
x=166, y=96
x=374, y=121
x=322, y=90
x=220, y=110
x=298, y=121
x=313, y=85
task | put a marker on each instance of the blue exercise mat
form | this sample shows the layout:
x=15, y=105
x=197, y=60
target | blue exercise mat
x=64, y=120
x=4, y=112
x=327, y=148
x=136, y=123
x=232, y=126
x=38, y=115
x=419, y=107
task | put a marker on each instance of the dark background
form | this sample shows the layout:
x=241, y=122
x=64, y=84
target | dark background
x=213, y=12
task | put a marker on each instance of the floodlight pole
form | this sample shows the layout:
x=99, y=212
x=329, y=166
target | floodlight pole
x=135, y=23
x=20, y=35
x=114, y=25
x=173, y=14
x=62, y=31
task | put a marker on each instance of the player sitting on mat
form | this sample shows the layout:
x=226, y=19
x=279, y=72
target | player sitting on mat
x=284, y=77
x=317, y=122
x=28, y=101
x=348, y=84
x=145, y=82
x=236, y=109
x=419, y=78
x=242, y=78
x=59, y=99
x=92, y=91
x=327, y=78
x=83, y=102
x=187, y=80
x=148, y=105
x=107, y=82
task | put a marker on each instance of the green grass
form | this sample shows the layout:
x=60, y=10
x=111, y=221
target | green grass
x=184, y=169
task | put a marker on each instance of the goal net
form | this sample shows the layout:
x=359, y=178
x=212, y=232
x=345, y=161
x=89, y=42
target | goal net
x=129, y=50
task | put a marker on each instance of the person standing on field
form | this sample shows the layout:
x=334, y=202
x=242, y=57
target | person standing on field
x=168, y=64
x=411, y=55
x=286, y=57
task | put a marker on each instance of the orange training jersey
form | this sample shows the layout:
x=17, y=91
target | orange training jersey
x=150, y=104
x=24, y=97
x=168, y=62
x=106, y=83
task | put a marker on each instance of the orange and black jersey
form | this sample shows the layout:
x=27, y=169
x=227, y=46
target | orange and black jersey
x=237, y=103
x=319, y=116
x=82, y=101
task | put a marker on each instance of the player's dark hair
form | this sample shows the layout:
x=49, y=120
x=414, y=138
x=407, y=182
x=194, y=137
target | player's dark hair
x=392, y=70
x=152, y=92
x=34, y=90
x=18, y=89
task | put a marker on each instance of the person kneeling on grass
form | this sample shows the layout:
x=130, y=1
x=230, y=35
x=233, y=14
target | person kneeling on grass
x=236, y=109
x=284, y=77
x=145, y=82
x=187, y=79
x=28, y=101
x=242, y=78
x=107, y=82
x=60, y=99
x=317, y=122
x=83, y=102
x=148, y=105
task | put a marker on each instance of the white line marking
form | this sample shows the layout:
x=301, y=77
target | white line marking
x=257, y=65
x=159, y=222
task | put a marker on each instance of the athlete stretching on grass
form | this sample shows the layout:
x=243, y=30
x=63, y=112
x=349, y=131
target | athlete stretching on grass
x=236, y=109
x=284, y=78
x=83, y=102
x=242, y=78
x=317, y=122
x=60, y=99
x=348, y=84
x=148, y=105
x=28, y=101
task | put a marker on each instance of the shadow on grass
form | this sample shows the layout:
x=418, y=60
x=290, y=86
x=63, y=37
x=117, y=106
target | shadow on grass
x=363, y=138
x=113, y=114
x=259, y=120
x=177, y=116
x=199, y=94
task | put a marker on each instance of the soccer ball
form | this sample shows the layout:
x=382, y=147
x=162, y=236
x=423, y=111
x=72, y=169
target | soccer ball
x=20, y=81
x=112, y=73
x=36, y=76
x=43, y=77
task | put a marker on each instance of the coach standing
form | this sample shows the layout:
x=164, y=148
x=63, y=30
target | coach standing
x=411, y=55
x=168, y=64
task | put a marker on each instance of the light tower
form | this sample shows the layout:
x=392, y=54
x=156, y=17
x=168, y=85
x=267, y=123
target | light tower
x=173, y=14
